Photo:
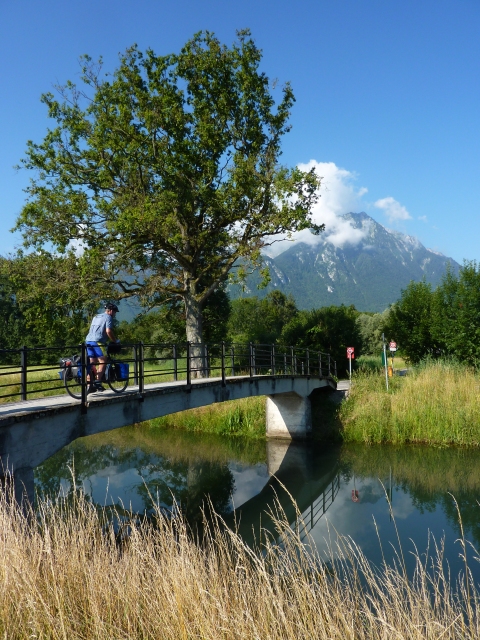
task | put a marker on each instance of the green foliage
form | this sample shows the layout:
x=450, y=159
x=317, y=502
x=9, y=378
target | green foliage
x=371, y=326
x=441, y=322
x=12, y=324
x=330, y=329
x=260, y=321
x=167, y=324
x=456, y=314
x=166, y=172
x=36, y=311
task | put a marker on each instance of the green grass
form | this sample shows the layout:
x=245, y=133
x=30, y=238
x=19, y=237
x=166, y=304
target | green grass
x=437, y=403
x=237, y=418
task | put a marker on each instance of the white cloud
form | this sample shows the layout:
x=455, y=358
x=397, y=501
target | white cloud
x=423, y=218
x=392, y=209
x=338, y=195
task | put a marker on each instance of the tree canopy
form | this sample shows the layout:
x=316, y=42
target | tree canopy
x=166, y=173
x=443, y=322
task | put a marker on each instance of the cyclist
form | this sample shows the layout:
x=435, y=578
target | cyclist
x=101, y=332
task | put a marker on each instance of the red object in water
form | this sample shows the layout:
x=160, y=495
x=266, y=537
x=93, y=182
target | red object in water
x=355, y=496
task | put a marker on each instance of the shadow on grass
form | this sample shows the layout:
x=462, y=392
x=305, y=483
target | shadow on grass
x=326, y=424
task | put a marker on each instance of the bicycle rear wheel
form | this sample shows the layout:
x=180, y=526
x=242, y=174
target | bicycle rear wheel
x=73, y=384
x=113, y=382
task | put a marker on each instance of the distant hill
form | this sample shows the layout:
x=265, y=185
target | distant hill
x=369, y=275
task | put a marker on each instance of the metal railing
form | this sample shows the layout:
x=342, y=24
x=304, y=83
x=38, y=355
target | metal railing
x=309, y=518
x=28, y=373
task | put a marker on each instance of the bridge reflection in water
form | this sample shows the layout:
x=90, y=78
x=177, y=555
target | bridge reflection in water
x=170, y=467
x=302, y=487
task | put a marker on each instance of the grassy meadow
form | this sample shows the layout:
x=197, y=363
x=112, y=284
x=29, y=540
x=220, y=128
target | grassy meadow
x=67, y=574
x=436, y=403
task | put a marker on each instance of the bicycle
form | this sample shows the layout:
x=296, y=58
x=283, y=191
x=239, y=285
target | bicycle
x=116, y=375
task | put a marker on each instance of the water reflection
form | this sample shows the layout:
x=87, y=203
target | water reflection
x=345, y=490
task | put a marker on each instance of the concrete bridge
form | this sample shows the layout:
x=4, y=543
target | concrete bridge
x=33, y=430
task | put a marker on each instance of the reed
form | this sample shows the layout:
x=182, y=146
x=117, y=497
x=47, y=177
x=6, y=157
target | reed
x=66, y=574
x=437, y=403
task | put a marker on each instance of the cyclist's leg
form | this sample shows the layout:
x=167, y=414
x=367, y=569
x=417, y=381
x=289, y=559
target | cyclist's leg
x=94, y=355
x=101, y=367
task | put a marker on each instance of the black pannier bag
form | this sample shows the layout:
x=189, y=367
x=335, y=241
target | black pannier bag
x=114, y=348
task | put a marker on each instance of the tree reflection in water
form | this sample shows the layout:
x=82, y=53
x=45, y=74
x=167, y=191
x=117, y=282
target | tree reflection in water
x=149, y=466
x=160, y=480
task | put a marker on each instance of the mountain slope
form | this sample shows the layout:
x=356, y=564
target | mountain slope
x=369, y=275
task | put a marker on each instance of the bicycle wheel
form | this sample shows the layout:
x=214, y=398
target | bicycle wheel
x=73, y=384
x=116, y=384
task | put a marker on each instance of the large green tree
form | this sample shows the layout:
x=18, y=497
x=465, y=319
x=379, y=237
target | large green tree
x=166, y=173
x=456, y=314
x=329, y=329
x=410, y=322
x=260, y=321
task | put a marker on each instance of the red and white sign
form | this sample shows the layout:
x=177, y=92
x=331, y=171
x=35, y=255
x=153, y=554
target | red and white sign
x=392, y=346
x=350, y=353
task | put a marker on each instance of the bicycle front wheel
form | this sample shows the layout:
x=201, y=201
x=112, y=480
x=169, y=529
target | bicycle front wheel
x=73, y=384
x=117, y=380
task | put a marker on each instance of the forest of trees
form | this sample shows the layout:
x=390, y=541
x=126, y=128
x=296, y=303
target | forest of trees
x=424, y=322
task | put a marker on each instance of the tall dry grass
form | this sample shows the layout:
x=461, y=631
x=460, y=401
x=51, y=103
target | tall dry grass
x=65, y=575
x=438, y=403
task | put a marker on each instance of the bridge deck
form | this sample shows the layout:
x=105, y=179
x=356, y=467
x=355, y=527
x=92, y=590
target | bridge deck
x=37, y=406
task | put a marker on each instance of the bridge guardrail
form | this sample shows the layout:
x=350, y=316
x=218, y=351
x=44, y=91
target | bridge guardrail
x=27, y=373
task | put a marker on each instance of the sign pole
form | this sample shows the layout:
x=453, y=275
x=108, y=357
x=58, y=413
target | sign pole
x=385, y=359
x=350, y=356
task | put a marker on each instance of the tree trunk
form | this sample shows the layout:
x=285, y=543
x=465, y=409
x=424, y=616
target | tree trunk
x=194, y=329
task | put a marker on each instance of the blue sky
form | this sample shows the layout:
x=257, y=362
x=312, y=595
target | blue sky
x=388, y=95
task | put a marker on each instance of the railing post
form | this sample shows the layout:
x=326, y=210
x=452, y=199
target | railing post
x=175, y=363
x=135, y=364
x=84, y=364
x=232, y=358
x=23, y=372
x=329, y=369
x=251, y=360
x=291, y=360
x=206, y=360
x=335, y=368
x=308, y=362
x=141, y=362
x=285, y=363
x=189, y=371
x=273, y=360
x=223, y=364
x=320, y=372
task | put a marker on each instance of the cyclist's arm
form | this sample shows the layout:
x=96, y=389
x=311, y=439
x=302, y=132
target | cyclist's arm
x=111, y=335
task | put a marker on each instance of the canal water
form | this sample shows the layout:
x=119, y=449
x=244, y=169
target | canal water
x=390, y=500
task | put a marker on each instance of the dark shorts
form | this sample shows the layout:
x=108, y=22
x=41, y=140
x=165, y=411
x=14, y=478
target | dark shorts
x=94, y=350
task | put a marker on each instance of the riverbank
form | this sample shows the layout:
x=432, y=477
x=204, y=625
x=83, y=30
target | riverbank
x=436, y=403
x=68, y=575
x=244, y=418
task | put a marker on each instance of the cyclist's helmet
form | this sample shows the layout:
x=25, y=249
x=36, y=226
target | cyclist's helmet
x=111, y=307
